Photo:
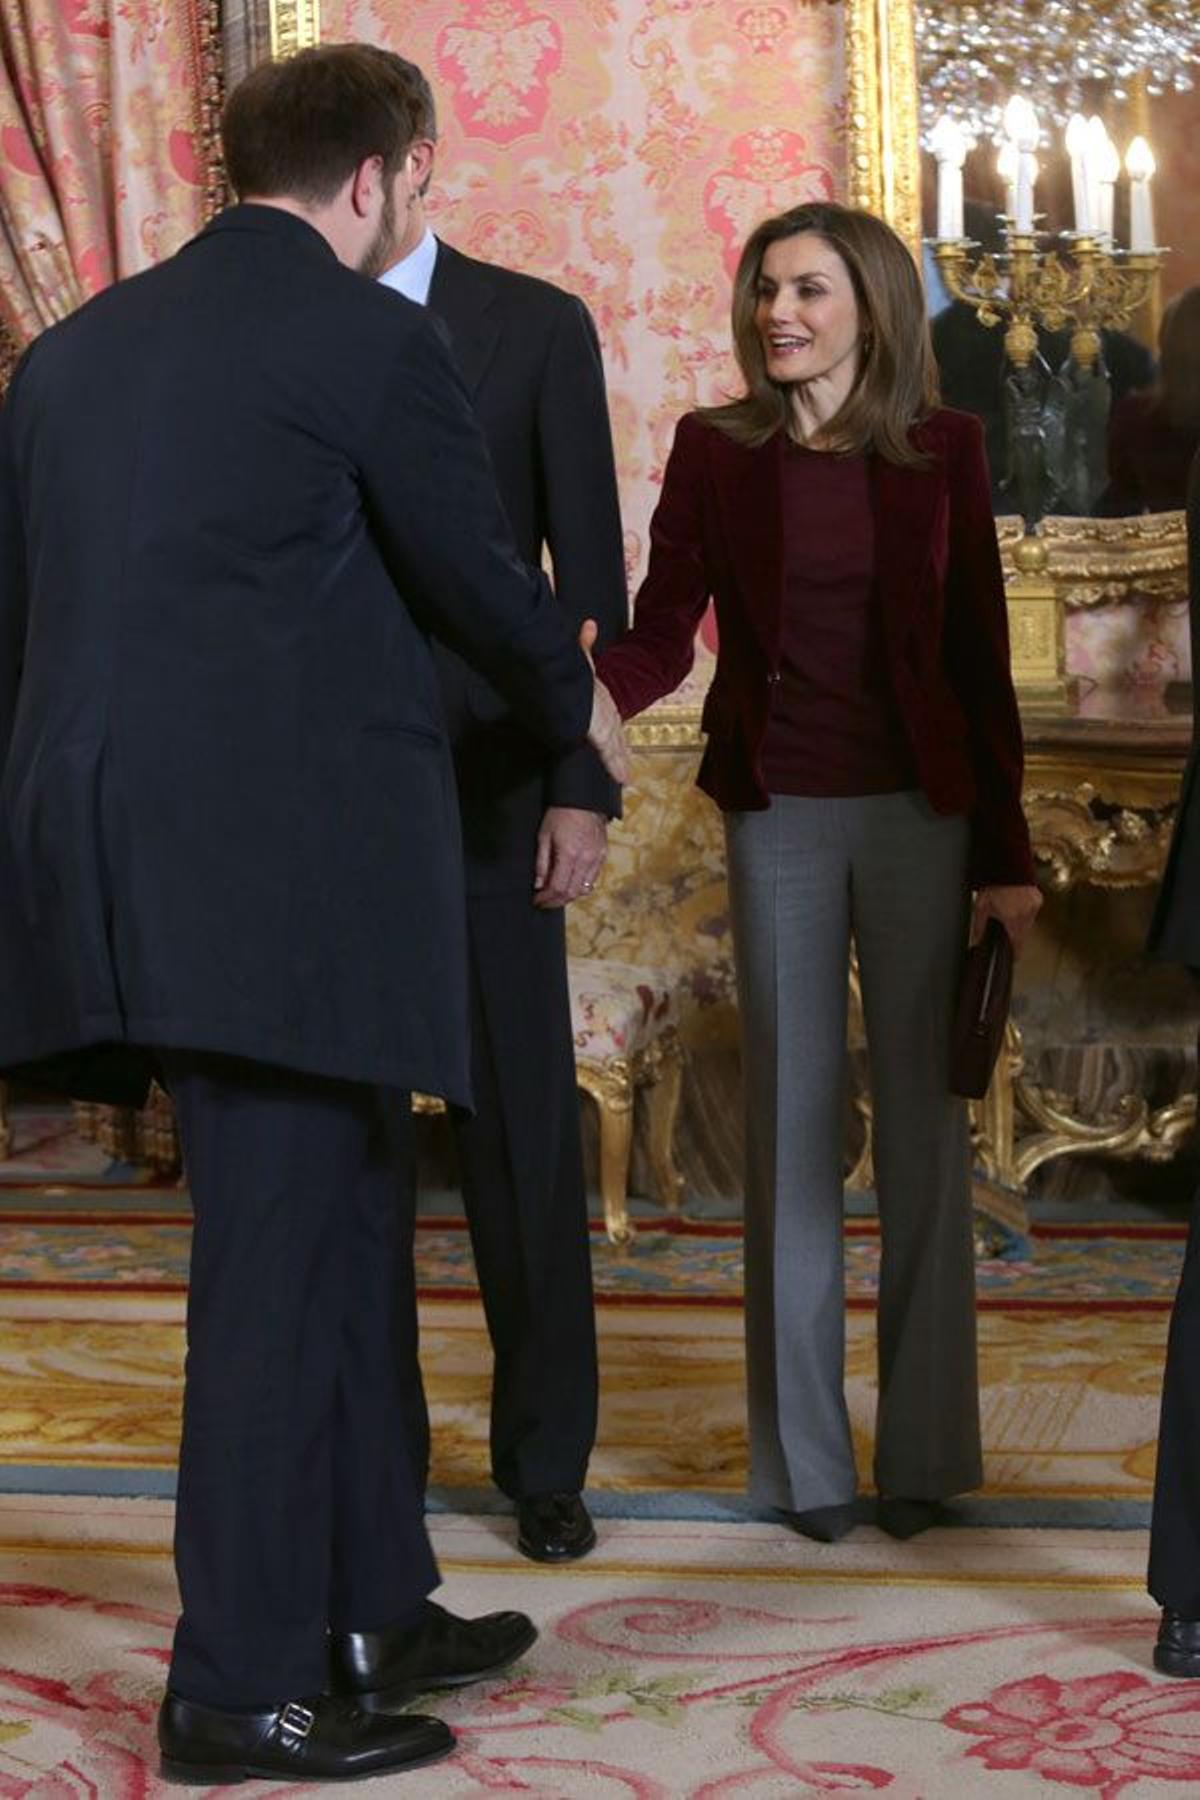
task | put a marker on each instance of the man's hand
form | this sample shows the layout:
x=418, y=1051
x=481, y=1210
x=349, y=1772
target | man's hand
x=605, y=733
x=570, y=854
x=1015, y=907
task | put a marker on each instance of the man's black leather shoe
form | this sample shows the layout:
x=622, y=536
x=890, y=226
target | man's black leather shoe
x=379, y=1669
x=554, y=1528
x=319, y=1739
x=1177, y=1651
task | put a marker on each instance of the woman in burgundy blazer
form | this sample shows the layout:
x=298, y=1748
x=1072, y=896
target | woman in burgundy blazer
x=865, y=746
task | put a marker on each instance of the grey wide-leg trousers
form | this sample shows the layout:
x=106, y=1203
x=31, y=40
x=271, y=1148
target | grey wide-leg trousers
x=804, y=876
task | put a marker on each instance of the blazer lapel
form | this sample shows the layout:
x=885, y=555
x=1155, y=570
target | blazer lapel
x=464, y=298
x=905, y=503
x=749, y=486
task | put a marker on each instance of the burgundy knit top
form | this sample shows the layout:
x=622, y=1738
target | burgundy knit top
x=834, y=727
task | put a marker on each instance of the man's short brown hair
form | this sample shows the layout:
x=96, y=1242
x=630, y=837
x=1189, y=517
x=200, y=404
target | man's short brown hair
x=299, y=128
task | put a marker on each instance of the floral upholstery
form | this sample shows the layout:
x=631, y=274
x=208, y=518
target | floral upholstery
x=617, y=1009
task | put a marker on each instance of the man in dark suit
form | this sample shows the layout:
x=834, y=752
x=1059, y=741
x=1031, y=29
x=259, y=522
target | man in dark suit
x=534, y=827
x=236, y=494
x=1175, y=1525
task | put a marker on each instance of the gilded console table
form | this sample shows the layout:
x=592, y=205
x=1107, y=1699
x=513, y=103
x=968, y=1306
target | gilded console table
x=1101, y=787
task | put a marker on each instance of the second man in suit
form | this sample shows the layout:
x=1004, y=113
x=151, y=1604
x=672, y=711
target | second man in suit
x=534, y=829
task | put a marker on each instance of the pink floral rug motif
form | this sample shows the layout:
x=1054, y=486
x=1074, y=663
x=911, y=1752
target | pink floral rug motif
x=683, y=1661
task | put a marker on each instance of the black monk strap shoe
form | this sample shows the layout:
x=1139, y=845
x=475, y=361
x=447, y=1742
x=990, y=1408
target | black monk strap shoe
x=378, y=1669
x=1177, y=1651
x=319, y=1739
x=554, y=1528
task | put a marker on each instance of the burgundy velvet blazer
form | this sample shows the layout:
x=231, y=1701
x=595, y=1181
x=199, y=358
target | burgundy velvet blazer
x=718, y=531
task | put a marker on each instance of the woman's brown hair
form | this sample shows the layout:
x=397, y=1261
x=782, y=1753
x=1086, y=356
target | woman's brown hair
x=897, y=381
x=1178, y=386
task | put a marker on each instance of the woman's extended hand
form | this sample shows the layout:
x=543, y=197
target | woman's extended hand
x=1015, y=907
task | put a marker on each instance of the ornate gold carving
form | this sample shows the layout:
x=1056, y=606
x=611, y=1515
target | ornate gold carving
x=1077, y=838
x=1103, y=562
x=993, y=1119
x=613, y=1085
x=10, y=352
x=212, y=93
x=1040, y=290
x=1035, y=625
x=148, y=1135
x=667, y=727
x=883, y=172
x=1132, y=1131
x=295, y=25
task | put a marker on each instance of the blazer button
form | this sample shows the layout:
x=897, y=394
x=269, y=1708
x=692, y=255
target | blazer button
x=773, y=676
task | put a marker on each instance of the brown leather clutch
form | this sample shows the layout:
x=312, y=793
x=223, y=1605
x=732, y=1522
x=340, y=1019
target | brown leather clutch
x=982, y=1012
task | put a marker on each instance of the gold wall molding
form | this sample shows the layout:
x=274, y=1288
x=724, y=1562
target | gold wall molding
x=668, y=726
x=883, y=168
x=212, y=98
x=295, y=25
x=1105, y=562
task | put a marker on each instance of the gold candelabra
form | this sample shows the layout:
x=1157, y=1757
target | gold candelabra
x=1025, y=289
x=1101, y=286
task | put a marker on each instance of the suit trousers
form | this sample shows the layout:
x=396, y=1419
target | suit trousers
x=521, y=1166
x=298, y=1508
x=806, y=875
x=1175, y=1521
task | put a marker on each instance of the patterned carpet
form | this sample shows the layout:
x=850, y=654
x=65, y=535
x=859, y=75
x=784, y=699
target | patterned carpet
x=702, y=1653
x=1071, y=1343
x=682, y=1661
x=55, y=1243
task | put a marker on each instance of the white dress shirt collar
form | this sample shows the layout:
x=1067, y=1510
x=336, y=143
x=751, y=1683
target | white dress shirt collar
x=413, y=274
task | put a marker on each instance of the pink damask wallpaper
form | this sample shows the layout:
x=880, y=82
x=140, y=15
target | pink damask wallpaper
x=103, y=109
x=623, y=149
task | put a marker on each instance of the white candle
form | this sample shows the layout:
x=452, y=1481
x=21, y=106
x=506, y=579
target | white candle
x=1108, y=168
x=1077, y=136
x=1027, y=174
x=1139, y=161
x=950, y=148
x=1006, y=168
x=1021, y=124
x=1097, y=138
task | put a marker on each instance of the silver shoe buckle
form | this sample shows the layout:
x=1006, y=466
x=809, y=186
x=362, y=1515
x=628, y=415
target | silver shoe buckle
x=297, y=1719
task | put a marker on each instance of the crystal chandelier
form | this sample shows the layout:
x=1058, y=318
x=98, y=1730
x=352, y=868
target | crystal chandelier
x=973, y=57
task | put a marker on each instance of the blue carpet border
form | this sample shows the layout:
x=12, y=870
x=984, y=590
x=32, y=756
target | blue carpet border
x=690, y=1506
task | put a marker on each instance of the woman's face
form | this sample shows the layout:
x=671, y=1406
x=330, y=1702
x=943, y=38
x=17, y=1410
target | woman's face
x=807, y=312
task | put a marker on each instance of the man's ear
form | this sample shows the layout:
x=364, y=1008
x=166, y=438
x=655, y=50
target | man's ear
x=365, y=184
x=420, y=162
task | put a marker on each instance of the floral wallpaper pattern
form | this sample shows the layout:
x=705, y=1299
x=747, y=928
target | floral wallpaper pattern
x=623, y=149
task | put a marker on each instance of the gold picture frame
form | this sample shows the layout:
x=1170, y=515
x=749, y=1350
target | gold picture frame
x=295, y=25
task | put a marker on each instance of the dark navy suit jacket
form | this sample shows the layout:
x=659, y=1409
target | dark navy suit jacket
x=531, y=362
x=1175, y=927
x=237, y=494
